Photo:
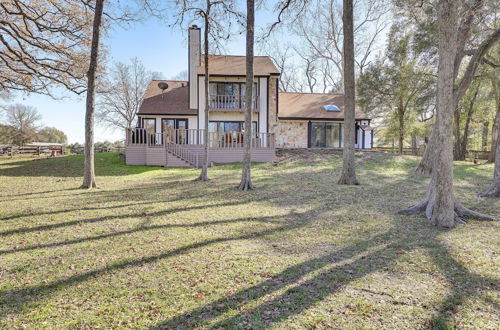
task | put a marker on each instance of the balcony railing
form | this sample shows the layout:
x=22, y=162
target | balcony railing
x=230, y=102
x=225, y=140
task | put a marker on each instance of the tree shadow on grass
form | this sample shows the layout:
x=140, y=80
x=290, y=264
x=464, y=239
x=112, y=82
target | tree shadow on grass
x=106, y=164
x=464, y=284
x=336, y=270
x=16, y=300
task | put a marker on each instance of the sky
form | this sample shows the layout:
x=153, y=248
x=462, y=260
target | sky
x=159, y=47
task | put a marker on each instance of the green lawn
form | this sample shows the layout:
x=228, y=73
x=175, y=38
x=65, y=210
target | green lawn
x=154, y=248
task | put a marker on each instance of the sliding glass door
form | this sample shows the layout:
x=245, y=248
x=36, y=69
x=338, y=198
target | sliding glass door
x=326, y=135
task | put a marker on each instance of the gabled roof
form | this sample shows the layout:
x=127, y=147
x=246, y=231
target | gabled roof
x=228, y=65
x=174, y=100
x=312, y=106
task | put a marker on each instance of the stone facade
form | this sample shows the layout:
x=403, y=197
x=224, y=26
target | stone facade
x=273, y=115
x=291, y=134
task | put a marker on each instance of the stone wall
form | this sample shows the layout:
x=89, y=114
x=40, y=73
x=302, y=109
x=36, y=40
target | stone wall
x=291, y=134
x=273, y=115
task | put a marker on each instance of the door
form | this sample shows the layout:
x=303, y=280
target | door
x=175, y=129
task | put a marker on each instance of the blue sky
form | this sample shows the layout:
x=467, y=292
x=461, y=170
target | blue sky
x=159, y=47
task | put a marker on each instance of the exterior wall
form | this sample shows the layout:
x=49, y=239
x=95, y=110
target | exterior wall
x=192, y=120
x=273, y=102
x=292, y=134
x=263, y=98
x=230, y=116
x=143, y=155
x=295, y=134
x=194, y=51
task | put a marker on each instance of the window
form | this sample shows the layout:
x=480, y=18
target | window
x=225, y=95
x=230, y=126
x=149, y=124
x=326, y=135
x=331, y=107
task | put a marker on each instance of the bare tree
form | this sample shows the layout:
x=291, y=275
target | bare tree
x=89, y=179
x=123, y=94
x=23, y=121
x=439, y=204
x=246, y=175
x=217, y=16
x=42, y=44
x=348, y=175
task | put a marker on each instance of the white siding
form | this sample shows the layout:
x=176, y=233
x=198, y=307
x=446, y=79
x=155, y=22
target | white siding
x=263, y=105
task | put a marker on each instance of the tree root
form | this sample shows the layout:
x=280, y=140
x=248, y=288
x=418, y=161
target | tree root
x=422, y=170
x=491, y=191
x=461, y=212
x=348, y=180
x=246, y=185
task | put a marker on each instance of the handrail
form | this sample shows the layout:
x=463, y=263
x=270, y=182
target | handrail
x=183, y=153
x=220, y=101
x=181, y=136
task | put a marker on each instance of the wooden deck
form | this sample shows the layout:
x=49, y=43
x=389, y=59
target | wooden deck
x=185, y=148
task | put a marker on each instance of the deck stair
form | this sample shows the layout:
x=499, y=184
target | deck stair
x=183, y=154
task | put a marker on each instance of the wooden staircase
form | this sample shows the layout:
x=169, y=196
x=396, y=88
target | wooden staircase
x=189, y=157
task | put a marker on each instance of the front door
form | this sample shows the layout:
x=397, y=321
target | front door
x=176, y=129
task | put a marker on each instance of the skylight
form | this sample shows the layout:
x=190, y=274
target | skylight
x=331, y=107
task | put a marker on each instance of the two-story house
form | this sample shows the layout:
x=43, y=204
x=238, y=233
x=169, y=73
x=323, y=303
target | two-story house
x=170, y=126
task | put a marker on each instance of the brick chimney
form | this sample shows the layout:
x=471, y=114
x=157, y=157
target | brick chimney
x=194, y=49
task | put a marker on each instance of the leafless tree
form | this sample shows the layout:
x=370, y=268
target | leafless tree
x=246, y=175
x=217, y=17
x=348, y=175
x=89, y=179
x=42, y=44
x=23, y=121
x=124, y=91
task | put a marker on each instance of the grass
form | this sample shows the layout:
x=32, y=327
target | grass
x=154, y=248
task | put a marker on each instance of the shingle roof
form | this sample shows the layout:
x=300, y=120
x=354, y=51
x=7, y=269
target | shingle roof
x=175, y=100
x=311, y=106
x=236, y=65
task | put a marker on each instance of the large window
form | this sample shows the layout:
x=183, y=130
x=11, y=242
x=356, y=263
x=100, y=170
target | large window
x=326, y=135
x=229, y=126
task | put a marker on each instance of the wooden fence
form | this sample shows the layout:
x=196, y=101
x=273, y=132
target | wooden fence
x=30, y=150
x=470, y=154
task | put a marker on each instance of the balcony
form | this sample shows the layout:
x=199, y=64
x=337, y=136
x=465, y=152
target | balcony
x=230, y=103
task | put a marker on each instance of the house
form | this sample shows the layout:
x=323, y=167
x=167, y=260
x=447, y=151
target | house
x=171, y=119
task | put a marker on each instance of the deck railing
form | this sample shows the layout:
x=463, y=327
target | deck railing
x=183, y=153
x=216, y=140
x=230, y=102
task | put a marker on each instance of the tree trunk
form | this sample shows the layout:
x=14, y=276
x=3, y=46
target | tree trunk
x=246, y=177
x=456, y=134
x=348, y=166
x=496, y=123
x=425, y=165
x=464, y=139
x=439, y=204
x=484, y=135
x=494, y=189
x=89, y=180
x=204, y=170
x=414, y=147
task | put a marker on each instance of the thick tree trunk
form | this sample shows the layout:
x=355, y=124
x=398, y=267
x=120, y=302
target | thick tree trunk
x=425, y=165
x=89, y=180
x=348, y=165
x=439, y=204
x=204, y=169
x=494, y=189
x=246, y=177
